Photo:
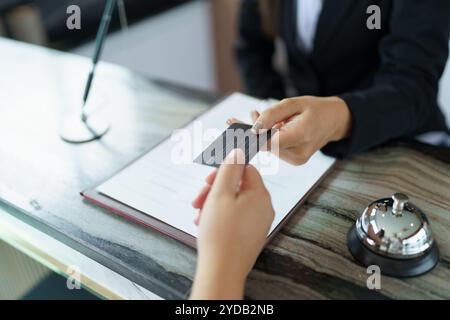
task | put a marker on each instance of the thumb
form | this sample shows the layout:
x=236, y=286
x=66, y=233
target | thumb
x=230, y=173
x=251, y=180
x=277, y=113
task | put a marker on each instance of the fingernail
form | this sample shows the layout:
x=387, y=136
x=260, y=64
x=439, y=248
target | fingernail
x=257, y=126
x=197, y=219
x=229, y=121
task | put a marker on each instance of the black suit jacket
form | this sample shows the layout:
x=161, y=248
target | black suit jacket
x=389, y=77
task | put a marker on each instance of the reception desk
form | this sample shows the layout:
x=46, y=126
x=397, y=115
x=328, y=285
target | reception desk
x=41, y=177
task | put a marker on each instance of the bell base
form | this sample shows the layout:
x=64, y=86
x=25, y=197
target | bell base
x=402, y=268
x=74, y=130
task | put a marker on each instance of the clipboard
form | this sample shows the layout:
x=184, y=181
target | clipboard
x=132, y=214
x=137, y=216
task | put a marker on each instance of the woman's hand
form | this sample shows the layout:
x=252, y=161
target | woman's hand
x=234, y=219
x=306, y=124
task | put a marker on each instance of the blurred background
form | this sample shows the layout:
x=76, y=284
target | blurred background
x=189, y=42
x=184, y=41
x=181, y=37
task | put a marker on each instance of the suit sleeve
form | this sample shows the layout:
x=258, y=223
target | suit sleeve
x=403, y=95
x=254, y=53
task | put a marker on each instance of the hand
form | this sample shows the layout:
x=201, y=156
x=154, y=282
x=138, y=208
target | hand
x=306, y=124
x=235, y=217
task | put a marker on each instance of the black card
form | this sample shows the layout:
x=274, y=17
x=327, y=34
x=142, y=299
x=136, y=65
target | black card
x=237, y=136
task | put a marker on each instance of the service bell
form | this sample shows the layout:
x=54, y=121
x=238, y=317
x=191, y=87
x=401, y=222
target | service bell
x=395, y=235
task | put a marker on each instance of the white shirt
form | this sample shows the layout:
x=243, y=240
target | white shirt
x=308, y=13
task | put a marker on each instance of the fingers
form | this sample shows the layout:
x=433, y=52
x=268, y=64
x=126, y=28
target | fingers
x=278, y=113
x=197, y=218
x=211, y=177
x=296, y=156
x=199, y=201
x=229, y=175
x=255, y=115
x=225, y=180
x=251, y=180
x=232, y=120
x=285, y=137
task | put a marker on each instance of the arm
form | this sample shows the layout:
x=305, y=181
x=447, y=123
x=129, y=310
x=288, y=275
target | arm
x=234, y=219
x=403, y=95
x=254, y=53
x=400, y=102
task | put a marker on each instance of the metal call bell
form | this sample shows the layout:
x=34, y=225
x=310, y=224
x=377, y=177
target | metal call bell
x=395, y=235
